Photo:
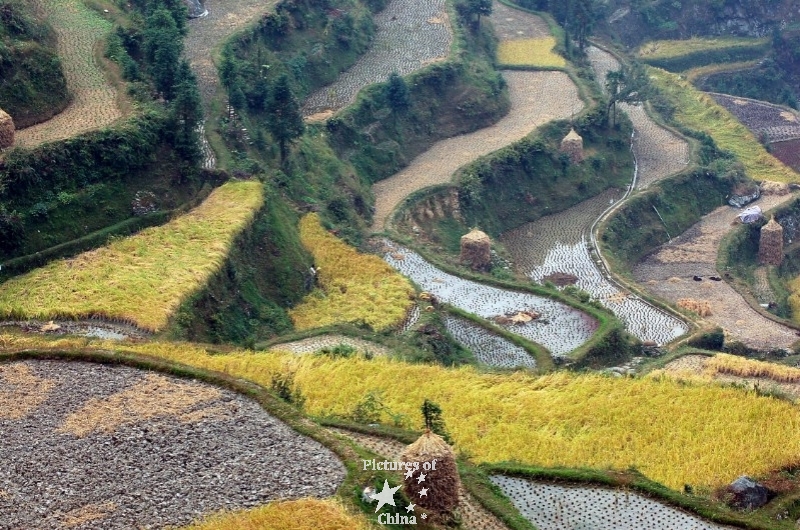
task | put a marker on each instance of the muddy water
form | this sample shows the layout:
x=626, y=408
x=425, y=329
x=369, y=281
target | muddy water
x=560, y=329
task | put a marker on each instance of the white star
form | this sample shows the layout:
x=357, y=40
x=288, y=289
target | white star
x=424, y=515
x=422, y=493
x=410, y=507
x=409, y=473
x=421, y=478
x=386, y=496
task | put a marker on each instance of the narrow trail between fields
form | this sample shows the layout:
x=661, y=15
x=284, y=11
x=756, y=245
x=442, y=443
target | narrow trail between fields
x=94, y=105
x=561, y=243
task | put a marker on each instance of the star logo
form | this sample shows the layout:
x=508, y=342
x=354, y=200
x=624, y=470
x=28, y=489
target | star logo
x=424, y=515
x=409, y=473
x=421, y=478
x=386, y=496
x=422, y=493
x=410, y=507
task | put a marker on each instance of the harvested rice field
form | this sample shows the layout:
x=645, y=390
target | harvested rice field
x=668, y=273
x=559, y=244
x=409, y=35
x=772, y=122
x=103, y=447
x=557, y=507
x=536, y=98
x=489, y=348
x=94, y=100
x=316, y=344
x=659, y=152
x=787, y=152
x=510, y=24
x=206, y=33
x=525, y=39
x=560, y=328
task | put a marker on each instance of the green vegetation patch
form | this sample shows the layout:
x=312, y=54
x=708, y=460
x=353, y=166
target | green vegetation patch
x=680, y=55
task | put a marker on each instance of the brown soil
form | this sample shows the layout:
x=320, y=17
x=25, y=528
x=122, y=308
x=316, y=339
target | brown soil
x=668, y=273
x=511, y=24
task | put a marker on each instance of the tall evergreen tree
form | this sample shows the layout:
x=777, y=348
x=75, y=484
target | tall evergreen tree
x=163, y=46
x=284, y=119
x=186, y=114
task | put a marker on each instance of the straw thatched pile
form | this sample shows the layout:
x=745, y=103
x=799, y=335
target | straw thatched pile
x=769, y=187
x=701, y=307
x=6, y=130
x=441, y=484
x=572, y=145
x=770, y=245
x=476, y=250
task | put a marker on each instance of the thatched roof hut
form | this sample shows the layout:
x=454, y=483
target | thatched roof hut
x=572, y=145
x=476, y=250
x=770, y=244
x=435, y=486
x=6, y=130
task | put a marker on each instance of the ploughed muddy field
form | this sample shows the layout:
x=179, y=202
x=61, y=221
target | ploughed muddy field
x=92, y=446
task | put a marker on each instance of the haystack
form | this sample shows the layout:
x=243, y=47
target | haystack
x=6, y=130
x=572, y=145
x=769, y=187
x=476, y=250
x=770, y=245
x=701, y=307
x=437, y=492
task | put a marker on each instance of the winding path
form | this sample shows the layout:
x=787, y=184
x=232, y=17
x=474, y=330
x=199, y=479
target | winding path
x=94, y=105
x=560, y=243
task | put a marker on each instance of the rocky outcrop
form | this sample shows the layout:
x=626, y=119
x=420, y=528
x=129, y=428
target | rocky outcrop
x=747, y=494
x=196, y=9
x=6, y=130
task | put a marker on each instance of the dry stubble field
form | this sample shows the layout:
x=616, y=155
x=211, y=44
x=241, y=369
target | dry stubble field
x=94, y=101
x=536, y=98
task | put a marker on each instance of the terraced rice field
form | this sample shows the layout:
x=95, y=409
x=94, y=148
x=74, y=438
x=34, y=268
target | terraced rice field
x=659, y=152
x=787, y=152
x=765, y=120
x=666, y=49
x=102, y=447
x=525, y=39
x=409, y=35
x=560, y=329
x=559, y=244
x=489, y=349
x=556, y=507
x=536, y=98
x=205, y=34
x=315, y=344
x=668, y=273
x=94, y=101
x=140, y=279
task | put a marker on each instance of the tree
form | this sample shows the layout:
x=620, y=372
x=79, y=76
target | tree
x=629, y=84
x=186, y=114
x=472, y=10
x=397, y=92
x=163, y=46
x=432, y=413
x=284, y=119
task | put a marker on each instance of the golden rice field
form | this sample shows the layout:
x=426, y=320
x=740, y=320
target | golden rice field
x=530, y=52
x=666, y=49
x=794, y=299
x=675, y=433
x=699, y=111
x=723, y=363
x=355, y=287
x=302, y=514
x=143, y=278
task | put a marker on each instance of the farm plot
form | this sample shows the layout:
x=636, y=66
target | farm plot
x=659, y=152
x=525, y=38
x=536, y=98
x=94, y=101
x=141, y=279
x=302, y=514
x=787, y=152
x=409, y=35
x=558, y=244
x=555, y=507
x=180, y=448
x=668, y=273
x=766, y=120
x=315, y=344
x=560, y=328
x=489, y=348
